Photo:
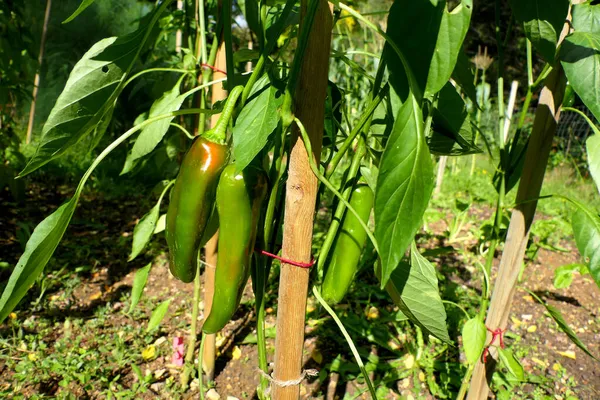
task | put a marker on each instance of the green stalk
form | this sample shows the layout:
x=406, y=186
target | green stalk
x=189, y=356
x=133, y=77
x=263, y=265
x=529, y=87
x=200, y=383
x=329, y=185
x=362, y=123
x=267, y=49
x=341, y=207
x=478, y=120
x=465, y=382
x=363, y=370
x=218, y=133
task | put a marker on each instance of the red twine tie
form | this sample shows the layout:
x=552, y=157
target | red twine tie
x=287, y=261
x=214, y=68
x=496, y=333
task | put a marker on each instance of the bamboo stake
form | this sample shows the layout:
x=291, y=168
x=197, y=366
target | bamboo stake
x=439, y=179
x=36, y=80
x=179, y=34
x=210, y=249
x=547, y=114
x=511, y=107
x=301, y=193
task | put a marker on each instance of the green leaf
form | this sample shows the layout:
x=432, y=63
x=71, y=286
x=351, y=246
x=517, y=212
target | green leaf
x=146, y=227
x=160, y=224
x=39, y=249
x=152, y=134
x=90, y=93
x=333, y=113
x=84, y=4
x=370, y=175
x=586, y=17
x=452, y=132
x=543, y=21
x=158, y=315
x=431, y=47
x=580, y=58
x=563, y=275
x=452, y=32
x=251, y=14
x=464, y=77
x=514, y=367
x=404, y=186
x=562, y=324
x=243, y=55
x=414, y=289
x=139, y=283
x=592, y=146
x=586, y=229
x=257, y=120
x=473, y=336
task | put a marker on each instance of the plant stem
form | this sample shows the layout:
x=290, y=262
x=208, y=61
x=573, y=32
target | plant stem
x=189, y=356
x=348, y=340
x=362, y=123
x=341, y=207
x=330, y=186
x=465, y=383
x=200, y=383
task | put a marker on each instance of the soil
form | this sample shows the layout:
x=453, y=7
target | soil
x=99, y=239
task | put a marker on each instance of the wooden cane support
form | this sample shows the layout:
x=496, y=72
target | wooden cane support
x=547, y=114
x=301, y=193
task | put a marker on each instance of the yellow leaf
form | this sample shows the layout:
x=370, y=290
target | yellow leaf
x=149, y=353
x=236, y=353
x=32, y=357
x=556, y=366
x=569, y=354
x=539, y=362
x=516, y=321
x=532, y=329
x=422, y=376
x=95, y=296
x=528, y=298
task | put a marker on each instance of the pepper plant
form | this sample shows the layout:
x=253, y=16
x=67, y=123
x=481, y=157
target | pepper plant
x=270, y=133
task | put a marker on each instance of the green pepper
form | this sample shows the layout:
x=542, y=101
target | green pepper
x=192, y=198
x=191, y=205
x=239, y=200
x=348, y=247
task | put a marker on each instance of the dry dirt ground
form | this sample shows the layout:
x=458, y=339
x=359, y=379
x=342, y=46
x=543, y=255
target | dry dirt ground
x=98, y=243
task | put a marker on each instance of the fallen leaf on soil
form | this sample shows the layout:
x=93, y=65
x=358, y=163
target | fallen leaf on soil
x=569, y=354
x=539, y=362
x=236, y=353
x=532, y=329
x=95, y=296
x=149, y=353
